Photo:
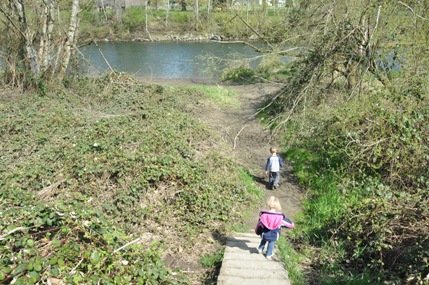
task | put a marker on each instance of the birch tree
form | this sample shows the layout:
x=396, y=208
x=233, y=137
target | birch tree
x=197, y=15
x=37, y=43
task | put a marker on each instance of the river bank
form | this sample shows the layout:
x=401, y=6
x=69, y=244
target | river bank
x=183, y=36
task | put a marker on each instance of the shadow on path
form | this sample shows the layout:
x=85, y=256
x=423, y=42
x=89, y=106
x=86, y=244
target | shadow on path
x=242, y=244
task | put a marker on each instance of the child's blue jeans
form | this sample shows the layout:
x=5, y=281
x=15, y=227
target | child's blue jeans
x=270, y=247
x=274, y=179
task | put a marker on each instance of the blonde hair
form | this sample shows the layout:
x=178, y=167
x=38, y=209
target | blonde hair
x=273, y=150
x=274, y=203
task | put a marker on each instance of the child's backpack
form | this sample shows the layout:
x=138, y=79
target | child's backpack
x=259, y=228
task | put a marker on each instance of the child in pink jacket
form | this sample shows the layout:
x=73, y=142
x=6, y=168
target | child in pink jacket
x=270, y=224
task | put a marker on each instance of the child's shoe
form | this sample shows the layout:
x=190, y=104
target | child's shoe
x=270, y=257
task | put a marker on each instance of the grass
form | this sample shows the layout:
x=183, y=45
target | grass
x=248, y=180
x=209, y=260
x=218, y=94
x=256, y=192
x=292, y=261
x=321, y=209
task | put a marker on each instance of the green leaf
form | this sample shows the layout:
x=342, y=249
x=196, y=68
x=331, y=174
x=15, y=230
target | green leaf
x=37, y=264
x=61, y=262
x=30, y=266
x=34, y=277
x=19, y=269
x=5, y=269
x=37, y=267
x=95, y=257
x=53, y=261
x=30, y=242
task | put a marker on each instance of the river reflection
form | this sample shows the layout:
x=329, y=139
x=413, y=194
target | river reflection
x=164, y=59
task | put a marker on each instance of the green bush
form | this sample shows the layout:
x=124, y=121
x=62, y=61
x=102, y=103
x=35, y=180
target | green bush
x=134, y=19
x=238, y=75
x=209, y=260
x=364, y=165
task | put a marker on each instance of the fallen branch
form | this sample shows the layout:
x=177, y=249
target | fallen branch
x=2, y=237
x=73, y=271
x=235, y=139
x=124, y=246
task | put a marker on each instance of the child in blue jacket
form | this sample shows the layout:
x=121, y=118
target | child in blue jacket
x=272, y=169
x=270, y=224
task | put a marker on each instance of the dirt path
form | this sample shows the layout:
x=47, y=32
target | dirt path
x=251, y=143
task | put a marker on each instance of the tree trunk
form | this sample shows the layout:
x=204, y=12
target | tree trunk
x=30, y=48
x=197, y=15
x=28, y=54
x=70, y=43
x=166, y=14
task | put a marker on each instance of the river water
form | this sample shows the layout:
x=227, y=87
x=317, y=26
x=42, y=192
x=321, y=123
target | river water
x=170, y=60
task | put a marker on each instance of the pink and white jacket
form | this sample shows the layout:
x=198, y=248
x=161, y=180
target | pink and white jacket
x=270, y=223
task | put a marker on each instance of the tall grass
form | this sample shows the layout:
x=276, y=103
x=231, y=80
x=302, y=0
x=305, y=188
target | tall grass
x=322, y=209
x=292, y=260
